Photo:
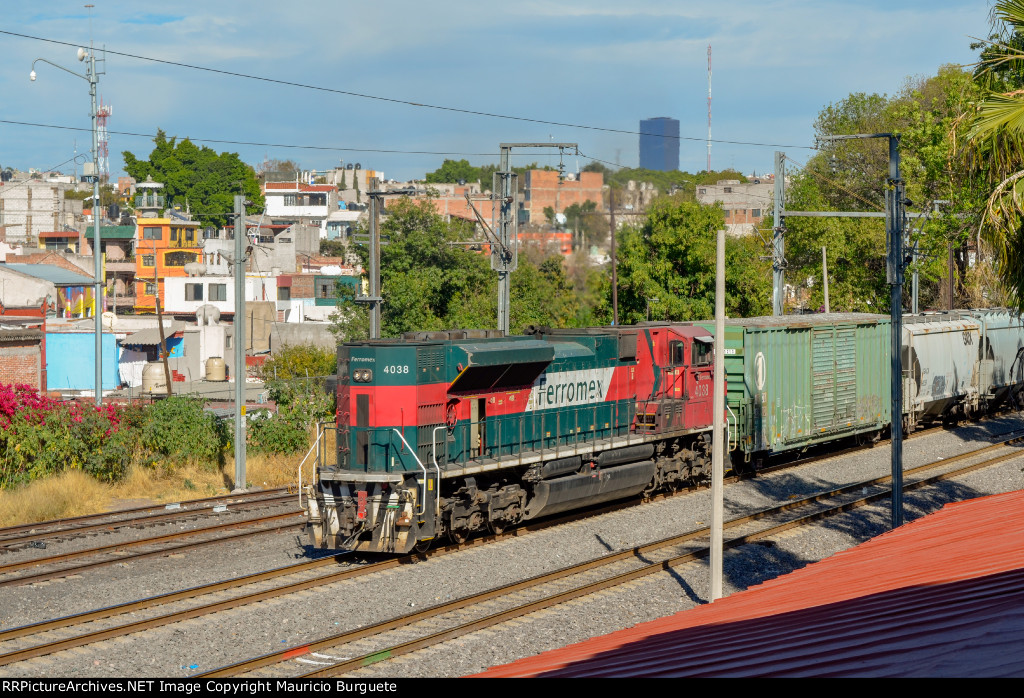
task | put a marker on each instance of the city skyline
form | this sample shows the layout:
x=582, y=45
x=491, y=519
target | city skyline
x=591, y=71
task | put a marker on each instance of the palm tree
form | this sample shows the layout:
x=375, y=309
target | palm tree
x=995, y=143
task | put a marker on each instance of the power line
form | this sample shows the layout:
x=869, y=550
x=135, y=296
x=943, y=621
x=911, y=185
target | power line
x=393, y=100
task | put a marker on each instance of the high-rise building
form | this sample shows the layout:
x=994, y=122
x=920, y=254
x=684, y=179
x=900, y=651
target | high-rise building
x=659, y=144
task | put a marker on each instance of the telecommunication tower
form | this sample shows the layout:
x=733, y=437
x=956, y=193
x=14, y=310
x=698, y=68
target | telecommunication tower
x=103, y=139
x=709, y=108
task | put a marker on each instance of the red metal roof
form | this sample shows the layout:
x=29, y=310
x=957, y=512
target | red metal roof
x=941, y=596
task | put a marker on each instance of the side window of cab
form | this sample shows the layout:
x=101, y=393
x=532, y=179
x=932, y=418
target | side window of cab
x=677, y=353
x=702, y=353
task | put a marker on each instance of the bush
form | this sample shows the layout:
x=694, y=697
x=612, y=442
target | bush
x=300, y=405
x=40, y=436
x=299, y=361
x=179, y=427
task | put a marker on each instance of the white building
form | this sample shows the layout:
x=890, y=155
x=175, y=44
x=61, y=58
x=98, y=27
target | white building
x=296, y=202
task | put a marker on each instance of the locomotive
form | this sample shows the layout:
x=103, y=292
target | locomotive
x=446, y=434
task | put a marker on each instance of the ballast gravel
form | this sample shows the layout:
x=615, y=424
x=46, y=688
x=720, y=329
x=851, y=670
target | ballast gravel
x=203, y=644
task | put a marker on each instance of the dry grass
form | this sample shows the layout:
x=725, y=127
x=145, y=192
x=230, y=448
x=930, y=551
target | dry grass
x=69, y=494
x=75, y=493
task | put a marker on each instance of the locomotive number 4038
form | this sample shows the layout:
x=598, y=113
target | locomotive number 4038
x=396, y=369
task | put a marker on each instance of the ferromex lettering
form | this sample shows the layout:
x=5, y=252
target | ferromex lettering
x=570, y=388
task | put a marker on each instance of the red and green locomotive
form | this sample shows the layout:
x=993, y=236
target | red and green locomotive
x=451, y=433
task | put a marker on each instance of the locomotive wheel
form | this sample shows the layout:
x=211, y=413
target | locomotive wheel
x=496, y=529
x=458, y=537
x=423, y=546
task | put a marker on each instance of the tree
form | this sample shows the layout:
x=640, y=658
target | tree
x=667, y=263
x=275, y=170
x=199, y=178
x=452, y=171
x=995, y=144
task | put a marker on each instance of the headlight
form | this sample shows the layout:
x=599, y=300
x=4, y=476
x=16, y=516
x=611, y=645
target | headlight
x=362, y=375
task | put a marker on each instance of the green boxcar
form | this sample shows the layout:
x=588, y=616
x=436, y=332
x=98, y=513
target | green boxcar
x=799, y=380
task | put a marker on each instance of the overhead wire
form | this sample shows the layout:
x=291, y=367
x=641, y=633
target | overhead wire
x=405, y=102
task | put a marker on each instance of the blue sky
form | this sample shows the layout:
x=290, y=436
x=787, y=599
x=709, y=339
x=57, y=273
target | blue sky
x=776, y=64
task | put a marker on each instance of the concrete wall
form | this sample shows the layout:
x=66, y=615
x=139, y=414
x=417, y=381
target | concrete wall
x=18, y=290
x=286, y=334
x=71, y=361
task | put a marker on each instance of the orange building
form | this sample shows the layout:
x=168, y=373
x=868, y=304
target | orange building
x=165, y=241
x=163, y=246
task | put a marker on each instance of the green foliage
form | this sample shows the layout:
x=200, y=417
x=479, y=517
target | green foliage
x=198, y=176
x=178, y=427
x=453, y=171
x=300, y=405
x=665, y=182
x=851, y=176
x=670, y=257
x=333, y=248
x=299, y=361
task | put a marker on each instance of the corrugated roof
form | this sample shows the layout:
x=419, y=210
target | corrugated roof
x=941, y=596
x=52, y=273
x=112, y=232
x=151, y=335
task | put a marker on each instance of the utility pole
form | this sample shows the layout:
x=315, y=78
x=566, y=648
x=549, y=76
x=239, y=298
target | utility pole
x=895, y=215
x=615, y=275
x=374, y=299
x=779, y=237
x=824, y=275
x=719, y=440
x=505, y=255
x=239, y=333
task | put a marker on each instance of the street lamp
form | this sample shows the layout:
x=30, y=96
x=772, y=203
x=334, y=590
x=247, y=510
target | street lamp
x=92, y=78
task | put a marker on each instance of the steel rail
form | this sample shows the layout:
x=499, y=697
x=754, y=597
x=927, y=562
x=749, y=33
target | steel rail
x=137, y=521
x=157, y=621
x=625, y=577
x=629, y=554
x=211, y=501
x=6, y=569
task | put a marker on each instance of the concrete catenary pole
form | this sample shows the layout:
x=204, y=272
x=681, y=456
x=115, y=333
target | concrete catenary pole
x=239, y=339
x=720, y=442
x=824, y=275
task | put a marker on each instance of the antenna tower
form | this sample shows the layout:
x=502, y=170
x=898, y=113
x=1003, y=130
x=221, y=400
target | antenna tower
x=709, y=108
x=103, y=139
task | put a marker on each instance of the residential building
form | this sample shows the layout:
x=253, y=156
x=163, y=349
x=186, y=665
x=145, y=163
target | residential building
x=23, y=353
x=29, y=207
x=744, y=204
x=659, y=144
x=297, y=202
x=165, y=242
x=544, y=188
x=66, y=294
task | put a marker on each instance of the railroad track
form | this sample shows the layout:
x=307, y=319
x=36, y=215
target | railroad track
x=22, y=643
x=350, y=651
x=13, y=537
x=266, y=524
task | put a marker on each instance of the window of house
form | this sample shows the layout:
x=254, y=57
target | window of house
x=755, y=212
x=284, y=293
x=193, y=292
x=179, y=259
x=190, y=235
x=728, y=190
x=150, y=289
x=325, y=290
x=290, y=200
x=702, y=191
x=284, y=239
x=218, y=292
x=148, y=260
x=151, y=232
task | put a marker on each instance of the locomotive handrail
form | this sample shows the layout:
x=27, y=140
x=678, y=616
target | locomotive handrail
x=419, y=463
x=320, y=431
x=433, y=455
